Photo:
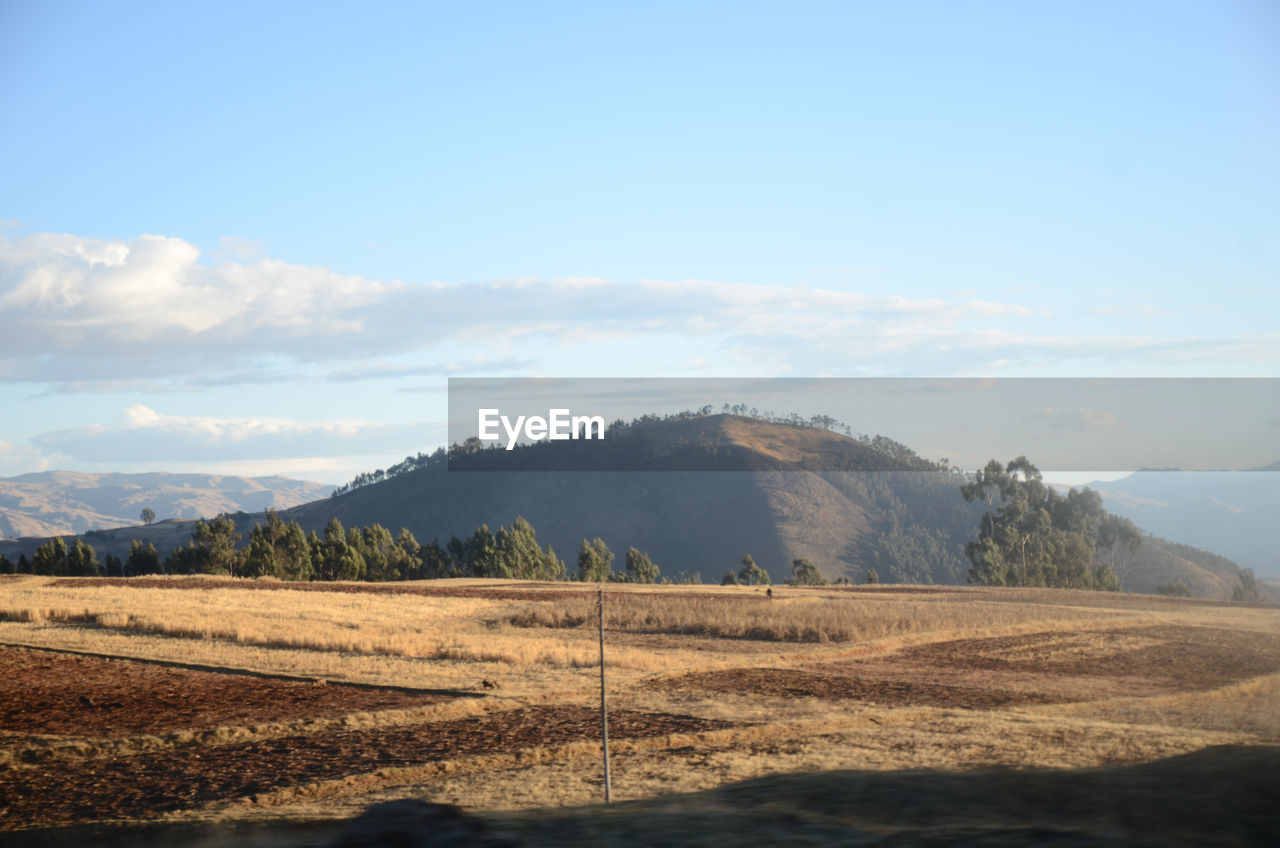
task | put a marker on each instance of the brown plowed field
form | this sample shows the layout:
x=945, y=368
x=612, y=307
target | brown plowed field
x=138, y=786
x=42, y=692
x=781, y=682
x=1182, y=658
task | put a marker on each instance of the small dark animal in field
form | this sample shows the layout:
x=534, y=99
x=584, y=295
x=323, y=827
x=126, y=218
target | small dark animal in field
x=768, y=593
x=490, y=684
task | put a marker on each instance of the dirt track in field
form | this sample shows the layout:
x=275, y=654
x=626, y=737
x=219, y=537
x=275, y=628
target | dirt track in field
x=42, y=692
x=138, y=786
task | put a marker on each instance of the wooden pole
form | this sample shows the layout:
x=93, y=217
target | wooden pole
x=604, y=713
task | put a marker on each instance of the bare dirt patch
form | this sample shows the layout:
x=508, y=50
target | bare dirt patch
x=42, y=692
x=1178, y=659
x=140, y=786
x=777, y=682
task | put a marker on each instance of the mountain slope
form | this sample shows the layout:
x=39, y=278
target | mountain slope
x=909, y=525
x=1234, y=514
x=63, y=502
x=692, y=521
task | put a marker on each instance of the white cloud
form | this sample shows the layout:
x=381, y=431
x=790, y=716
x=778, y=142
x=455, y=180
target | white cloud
x=21, y=459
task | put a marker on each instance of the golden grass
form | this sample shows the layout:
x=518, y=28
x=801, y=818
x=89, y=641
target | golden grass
x=802, y=617
x=515, y=634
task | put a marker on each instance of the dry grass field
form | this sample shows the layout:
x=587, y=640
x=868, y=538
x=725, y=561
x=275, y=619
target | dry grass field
x=171, y=710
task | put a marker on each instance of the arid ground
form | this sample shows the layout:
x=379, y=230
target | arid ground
x=260, y=712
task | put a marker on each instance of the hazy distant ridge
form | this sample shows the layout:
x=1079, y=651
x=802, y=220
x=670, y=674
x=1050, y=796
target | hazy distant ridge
x=51, y=503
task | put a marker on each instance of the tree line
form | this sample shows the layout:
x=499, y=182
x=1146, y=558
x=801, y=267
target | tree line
x=283, y=550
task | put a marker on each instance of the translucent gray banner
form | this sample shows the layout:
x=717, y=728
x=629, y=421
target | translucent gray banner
x=694, y=424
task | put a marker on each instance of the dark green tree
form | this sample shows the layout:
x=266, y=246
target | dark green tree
x=54, y=558
x=82, y=562
x=805, y=573
x=50, y=558
x=595, y=561
x=143, y=559
x=436, y=562
x=278, y=549
x=218, y=538
x=338, y=560
x=480, y=554
x=553, y=568
x=405, y=556
x=380, y=552
x=518, y=554
x=148, y=515
x=191, y=559
x=1033, y=536
x=1248, y=591
x=1174, y=589
x=751, y=574
x=640, y=569
x=872, y=578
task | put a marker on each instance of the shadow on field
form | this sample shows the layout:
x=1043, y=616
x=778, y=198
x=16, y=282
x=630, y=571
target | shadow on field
x=1220, y=796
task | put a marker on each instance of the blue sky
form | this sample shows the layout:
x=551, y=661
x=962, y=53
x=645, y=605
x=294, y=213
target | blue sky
x=258, y=238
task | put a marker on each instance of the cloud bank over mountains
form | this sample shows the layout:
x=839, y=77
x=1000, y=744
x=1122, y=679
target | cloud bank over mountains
x=78, y=310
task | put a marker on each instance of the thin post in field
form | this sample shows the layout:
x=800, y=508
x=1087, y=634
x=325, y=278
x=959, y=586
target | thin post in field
x=604, y=712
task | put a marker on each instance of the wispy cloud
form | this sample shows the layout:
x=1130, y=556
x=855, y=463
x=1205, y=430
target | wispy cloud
x=1131, y=310
x=1073, y=421
x=1228, y=506
x=452, y=368
x=146, y=435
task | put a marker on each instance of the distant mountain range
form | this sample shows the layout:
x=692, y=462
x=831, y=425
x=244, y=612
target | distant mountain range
x=52, y=503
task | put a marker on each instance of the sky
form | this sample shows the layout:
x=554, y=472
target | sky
x=251, y=238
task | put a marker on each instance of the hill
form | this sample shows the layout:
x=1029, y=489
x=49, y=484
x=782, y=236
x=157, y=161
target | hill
x=756, y=486
x=803, y=495
x=53, y=503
